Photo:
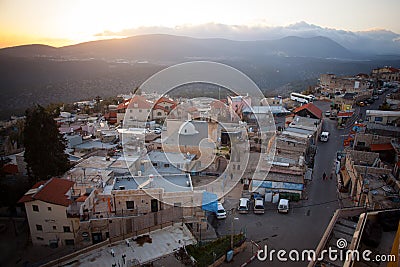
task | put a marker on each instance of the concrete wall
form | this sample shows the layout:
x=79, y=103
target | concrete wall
x=287, y=147
x=121, y=227
x=135, y=116
x=361, y=157
x=370, y=139
x=141, y=198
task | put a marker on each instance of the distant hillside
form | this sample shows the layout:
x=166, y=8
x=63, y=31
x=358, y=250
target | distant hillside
x=44, y=74
x=167, y=48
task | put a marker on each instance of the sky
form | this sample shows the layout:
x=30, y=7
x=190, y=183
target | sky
x=65, y=22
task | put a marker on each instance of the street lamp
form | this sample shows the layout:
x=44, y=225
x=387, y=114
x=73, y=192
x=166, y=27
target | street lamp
x=233, y=219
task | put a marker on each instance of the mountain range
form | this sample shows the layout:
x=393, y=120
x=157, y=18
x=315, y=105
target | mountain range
x=44, y=74
x=372, y=41
x=161, y=48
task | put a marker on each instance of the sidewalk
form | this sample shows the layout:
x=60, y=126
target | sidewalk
x=243, y=257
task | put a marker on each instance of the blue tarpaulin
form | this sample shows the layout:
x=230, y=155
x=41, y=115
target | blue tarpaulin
x=209, y=202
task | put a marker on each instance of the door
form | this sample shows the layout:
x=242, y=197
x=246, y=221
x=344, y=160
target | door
x=154, y=205
x=97, y=238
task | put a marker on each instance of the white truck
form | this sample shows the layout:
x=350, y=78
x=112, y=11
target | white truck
x=324, y=136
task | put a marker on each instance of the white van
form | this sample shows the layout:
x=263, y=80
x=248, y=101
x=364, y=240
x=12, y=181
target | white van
x=243, y=205
x=283, y=206
x=221, y=213
x=258, y=205
x=324, y=136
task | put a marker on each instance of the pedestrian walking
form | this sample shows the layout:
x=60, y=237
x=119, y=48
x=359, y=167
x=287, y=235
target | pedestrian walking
x=324, y=176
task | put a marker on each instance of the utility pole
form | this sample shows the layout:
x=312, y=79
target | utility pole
x=232, y=229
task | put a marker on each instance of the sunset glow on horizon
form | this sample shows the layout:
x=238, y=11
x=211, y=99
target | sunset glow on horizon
x=60, y=23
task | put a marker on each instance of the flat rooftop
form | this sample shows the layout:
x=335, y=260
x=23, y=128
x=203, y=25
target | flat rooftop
x=96, y=162
x=170, y=157
x=159, y=243
x=307, y=123
x=387, y=113
x=89, y=176
x=300, y=131
x=91, y=144
x=169, y=182
x=123, y=162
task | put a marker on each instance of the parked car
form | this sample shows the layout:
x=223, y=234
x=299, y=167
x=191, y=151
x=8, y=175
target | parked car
x=324, y=136
x=327, y=113
x=258, y=205
x=283, y=206
x=380, y=92
x=388, y=95
x=375, y=97
x=221, y=212
x=244, y=205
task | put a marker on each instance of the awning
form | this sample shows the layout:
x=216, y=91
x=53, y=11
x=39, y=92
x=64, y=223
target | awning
x=381, y=147
x=345, y=114
x=346, y=177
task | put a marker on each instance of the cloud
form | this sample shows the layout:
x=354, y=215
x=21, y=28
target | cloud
x=379, y=41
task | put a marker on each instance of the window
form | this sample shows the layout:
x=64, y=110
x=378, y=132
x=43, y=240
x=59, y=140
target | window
x=166, y=165
x=378, y=119
x=361, y=144
x=54, y=227
x=35, y=208
x=69, y=242
x=67, y=229
x=130, y=205
x=39, y=227
x=39, y=238
x=155, y=164
x=49, y=208
x=159, y=113
x=140, y=111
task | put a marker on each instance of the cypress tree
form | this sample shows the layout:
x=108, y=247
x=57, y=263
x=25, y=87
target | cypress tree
x=44, y=145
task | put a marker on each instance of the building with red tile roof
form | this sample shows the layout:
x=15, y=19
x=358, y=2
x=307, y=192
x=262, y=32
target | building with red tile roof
x=53, y=191
x=308, y=110
x=10, y=169
x=162, y=108
x=134, y=110
x=48, y=205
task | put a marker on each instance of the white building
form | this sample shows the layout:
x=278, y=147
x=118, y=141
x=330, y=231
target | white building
x=48, y=208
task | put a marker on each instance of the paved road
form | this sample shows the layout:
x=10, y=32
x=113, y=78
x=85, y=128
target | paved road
x=304, y=226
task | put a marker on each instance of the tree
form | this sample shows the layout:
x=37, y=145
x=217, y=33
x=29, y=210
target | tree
x=44, y=145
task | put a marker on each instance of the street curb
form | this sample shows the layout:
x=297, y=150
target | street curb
x=252, y=257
